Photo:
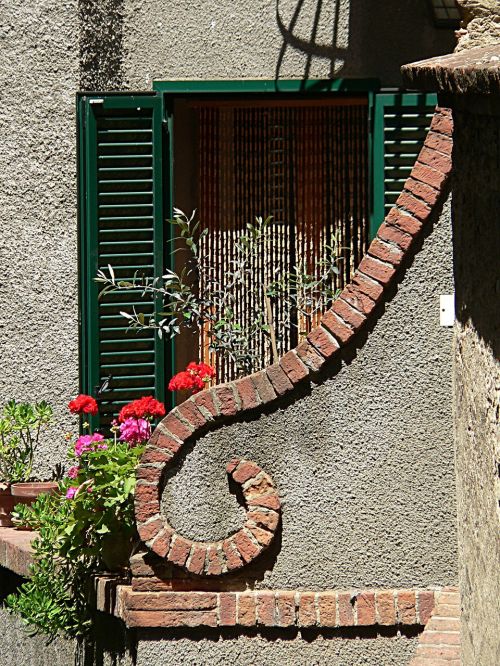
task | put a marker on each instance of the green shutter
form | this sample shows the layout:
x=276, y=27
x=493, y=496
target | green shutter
x=401, y=121
x=121, y=224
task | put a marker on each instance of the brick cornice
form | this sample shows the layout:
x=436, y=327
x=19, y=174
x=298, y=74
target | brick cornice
x=209, y=409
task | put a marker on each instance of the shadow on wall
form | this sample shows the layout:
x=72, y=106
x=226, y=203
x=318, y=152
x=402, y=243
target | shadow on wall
x=101, y=44
x=360, y=38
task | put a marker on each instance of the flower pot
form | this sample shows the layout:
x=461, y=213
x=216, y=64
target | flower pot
x=6, y=505
x=26, y=493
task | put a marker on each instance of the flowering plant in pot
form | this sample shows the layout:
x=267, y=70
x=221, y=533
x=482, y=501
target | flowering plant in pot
x=21, y=424
x=88, y=526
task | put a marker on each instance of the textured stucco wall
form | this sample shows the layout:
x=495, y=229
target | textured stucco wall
x=481, y=23
x=283, y=39
x=38, y=244
x=364, y=463
x=477, y=375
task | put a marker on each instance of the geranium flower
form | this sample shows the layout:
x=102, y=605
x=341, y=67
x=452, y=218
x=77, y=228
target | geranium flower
x=193, y=378
x=83, y=404
x=87, y=443
x=142, y=408
x=73, y=472
x=71, y=492
x=135, y=431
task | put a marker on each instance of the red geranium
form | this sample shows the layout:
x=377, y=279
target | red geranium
x=141, y=409
x=193, y=378
x=83, y=404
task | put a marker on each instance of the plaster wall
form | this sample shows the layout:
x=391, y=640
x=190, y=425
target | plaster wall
x=477, y=374
x=364, y=463
x=481, y=23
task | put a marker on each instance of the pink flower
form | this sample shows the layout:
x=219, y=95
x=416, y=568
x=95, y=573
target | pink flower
x=86, y=443
x=135, y=431
x=71, y=492
x=73, y=472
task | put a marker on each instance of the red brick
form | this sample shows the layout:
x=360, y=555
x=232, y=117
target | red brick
x=443, y=624
x=406, y=607
x=168, y=443
x=309, y=356
x=321, y=339
x=327, y=604
x=227, y=609
x=176, y=427
x=149, y=473
x=346, y=609
x=265, y=608
x=434, y=159
x=263, y=536
x=439, y=638
x=443, y=144
x=294, y=367
x=376, y=269
x=149, y=530
x=214, y=561
x=151, y=584
x=139, y=566
x=270, y=501
x=189, y=411
x=263, y=386
x=267, y=520
x=444, y=652
x=257, y=487
x=249, y=397
x=368, y=287
x=233, y=559
x=340, y=330
x=246, y=609
x=425, y=605
x=428, y=175
x=245, y=546
x=179, y=551
x=279, y=379
x=154, y=455
x=307, y=609
x=232, y=465
x=205, y=400
x=423, y=191
x=196, y=561
x=162, y=542
x=285, y=607
x=365, y=606
x=394, y=235
x=348, y=314
x=386, y=609
x=171, y=600
x=443, y=123
x=227, y=402
x=171, y=618
x=385, y=252
x=415, y=206
x=449, y=598
x=404, y=221
x=145, y=510
x=146, y=493
x=245, y=471
x=355, y=297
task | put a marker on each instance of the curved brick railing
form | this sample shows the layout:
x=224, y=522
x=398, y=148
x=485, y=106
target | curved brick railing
x=339, y=325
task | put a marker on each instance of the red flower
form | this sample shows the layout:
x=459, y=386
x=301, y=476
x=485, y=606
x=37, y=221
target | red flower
x=193, y=378
x=83, y=404
x=142, y=408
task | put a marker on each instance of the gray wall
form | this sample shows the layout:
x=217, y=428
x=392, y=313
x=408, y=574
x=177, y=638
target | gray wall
x=477, y=374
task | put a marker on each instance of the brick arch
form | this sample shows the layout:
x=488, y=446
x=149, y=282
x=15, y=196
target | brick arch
x=211, y=408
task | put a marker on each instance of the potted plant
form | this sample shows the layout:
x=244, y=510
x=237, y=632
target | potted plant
x=20, y=427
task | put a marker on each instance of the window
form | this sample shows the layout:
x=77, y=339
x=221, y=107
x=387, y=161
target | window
x=446, y=13
x=325, y=160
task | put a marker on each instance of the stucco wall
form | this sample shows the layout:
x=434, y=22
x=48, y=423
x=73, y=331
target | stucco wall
x=481, y=23
x=364, y=463
x=477, y=374
x=283, y=39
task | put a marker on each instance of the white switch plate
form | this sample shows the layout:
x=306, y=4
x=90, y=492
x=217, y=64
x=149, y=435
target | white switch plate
x=447, y=309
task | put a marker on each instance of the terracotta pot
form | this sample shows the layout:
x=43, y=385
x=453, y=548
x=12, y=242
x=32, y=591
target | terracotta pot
x=26, y=493
x=6, y=505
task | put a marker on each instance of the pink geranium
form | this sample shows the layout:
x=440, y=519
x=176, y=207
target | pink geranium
x=135, y=431
x=71, y=492
x=88, y=443
x=73, y=472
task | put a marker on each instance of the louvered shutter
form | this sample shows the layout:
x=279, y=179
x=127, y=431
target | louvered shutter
x=121, y=224
x=401, y=121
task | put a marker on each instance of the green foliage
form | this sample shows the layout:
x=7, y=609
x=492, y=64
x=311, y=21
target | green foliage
x=20, y=427
x=78, y=538
x=195, y=299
